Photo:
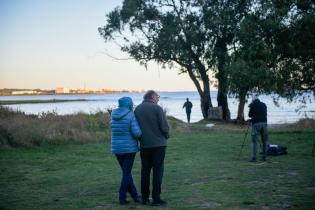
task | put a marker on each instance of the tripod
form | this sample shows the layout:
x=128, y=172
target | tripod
x=243, y=144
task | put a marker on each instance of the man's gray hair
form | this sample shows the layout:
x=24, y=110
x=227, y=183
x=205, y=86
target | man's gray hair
x=149, y=94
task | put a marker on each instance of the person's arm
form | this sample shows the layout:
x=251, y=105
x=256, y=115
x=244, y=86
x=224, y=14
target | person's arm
x=135, y=128
x=163, y=123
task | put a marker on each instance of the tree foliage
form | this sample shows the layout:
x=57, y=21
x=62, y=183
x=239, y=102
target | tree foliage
x=275, y=50
x=251, y=45
x=168, y=32
x=192, y=35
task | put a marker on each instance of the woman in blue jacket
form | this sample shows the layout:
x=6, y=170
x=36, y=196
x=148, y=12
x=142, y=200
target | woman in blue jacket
x=125, y=132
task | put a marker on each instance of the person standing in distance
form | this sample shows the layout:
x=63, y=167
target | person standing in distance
x=125, y=132
x=258, y=115
x=155, y=132
x=188, y=105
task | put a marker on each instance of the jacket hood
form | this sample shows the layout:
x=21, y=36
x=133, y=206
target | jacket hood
x=124, y=107
x=125, y=102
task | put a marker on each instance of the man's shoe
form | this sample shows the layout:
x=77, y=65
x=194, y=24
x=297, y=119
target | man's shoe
x=159, y=203
x=136, y=199
x=253, y=160
x=123, y=202
x=145, y=201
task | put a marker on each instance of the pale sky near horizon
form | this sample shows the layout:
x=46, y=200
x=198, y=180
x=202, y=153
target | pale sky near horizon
x=49, y=44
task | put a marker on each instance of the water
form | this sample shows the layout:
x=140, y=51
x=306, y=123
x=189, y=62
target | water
x=172, y=101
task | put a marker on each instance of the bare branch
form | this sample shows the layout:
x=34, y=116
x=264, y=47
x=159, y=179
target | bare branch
x=113, y=57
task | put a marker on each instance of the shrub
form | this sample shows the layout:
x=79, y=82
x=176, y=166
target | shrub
x=19, y=129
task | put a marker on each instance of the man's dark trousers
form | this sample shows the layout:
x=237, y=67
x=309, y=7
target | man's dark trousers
x=152, y=158
x=188, y=115
x=126, y=185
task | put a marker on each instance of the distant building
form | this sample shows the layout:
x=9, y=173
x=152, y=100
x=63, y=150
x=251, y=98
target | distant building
x=24, y=92
x=62, y=91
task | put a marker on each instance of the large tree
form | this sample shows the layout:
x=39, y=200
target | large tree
x=222, y=20
x=294, y=42
x=166, y=32
x=191, y=34
x=275, y=51
x=249, y=68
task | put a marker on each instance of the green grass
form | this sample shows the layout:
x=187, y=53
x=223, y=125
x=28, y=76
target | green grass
x=202, y=171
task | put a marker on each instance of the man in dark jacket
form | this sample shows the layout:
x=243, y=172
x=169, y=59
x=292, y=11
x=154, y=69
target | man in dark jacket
x=155, y=132
x=188, y=105
x=258, y=115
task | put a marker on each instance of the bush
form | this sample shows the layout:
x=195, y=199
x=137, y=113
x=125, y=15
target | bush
x=19, y=129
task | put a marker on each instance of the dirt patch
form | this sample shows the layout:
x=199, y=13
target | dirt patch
x=209, y=205
x=292, y=173
x=101, y=207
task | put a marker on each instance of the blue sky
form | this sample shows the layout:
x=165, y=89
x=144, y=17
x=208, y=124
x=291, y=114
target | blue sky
x=48, y=44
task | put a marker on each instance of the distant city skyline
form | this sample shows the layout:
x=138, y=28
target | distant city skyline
x=49, y=44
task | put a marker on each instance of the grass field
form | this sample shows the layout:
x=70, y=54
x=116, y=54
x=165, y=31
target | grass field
x=202, y=171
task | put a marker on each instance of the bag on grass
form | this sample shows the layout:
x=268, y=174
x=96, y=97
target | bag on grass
x=275, y=150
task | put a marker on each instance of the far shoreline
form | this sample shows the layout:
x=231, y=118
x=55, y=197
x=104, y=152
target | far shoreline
x=13, y=102
x=201, y=121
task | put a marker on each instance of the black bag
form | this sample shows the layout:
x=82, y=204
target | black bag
x=275, y=150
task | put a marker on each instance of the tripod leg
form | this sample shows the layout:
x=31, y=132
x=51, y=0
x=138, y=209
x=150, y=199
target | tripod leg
x=243, y=144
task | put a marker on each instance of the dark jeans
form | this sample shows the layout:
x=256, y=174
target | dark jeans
x=259, y=129
x=188, y=116
x=126, y=185
x=152, y=158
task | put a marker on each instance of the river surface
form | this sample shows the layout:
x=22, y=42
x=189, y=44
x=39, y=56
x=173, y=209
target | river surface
x=172, y=101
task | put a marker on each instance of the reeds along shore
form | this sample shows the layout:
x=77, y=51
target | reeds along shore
x=18, y=129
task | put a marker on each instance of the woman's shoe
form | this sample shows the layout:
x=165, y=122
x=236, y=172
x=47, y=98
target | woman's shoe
x=136, y=199
x=123, y=202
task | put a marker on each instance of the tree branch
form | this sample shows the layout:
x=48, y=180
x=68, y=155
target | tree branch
x=189, y=69
x=115, y=58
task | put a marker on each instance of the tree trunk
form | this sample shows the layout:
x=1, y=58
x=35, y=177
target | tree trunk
x=221, y=52
x=222, y=101
x=205, y=99
x=240, y=111
x=205, y=103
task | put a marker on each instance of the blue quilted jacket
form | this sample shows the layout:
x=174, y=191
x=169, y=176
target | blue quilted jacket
x=125, y=128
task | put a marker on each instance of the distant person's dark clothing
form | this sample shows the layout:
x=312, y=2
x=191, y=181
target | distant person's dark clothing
x=258, y=112
x=124, y=144
x=258, y=115
x=188, y=105
x=155, y=132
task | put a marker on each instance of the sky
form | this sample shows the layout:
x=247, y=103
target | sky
x=47, y=44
